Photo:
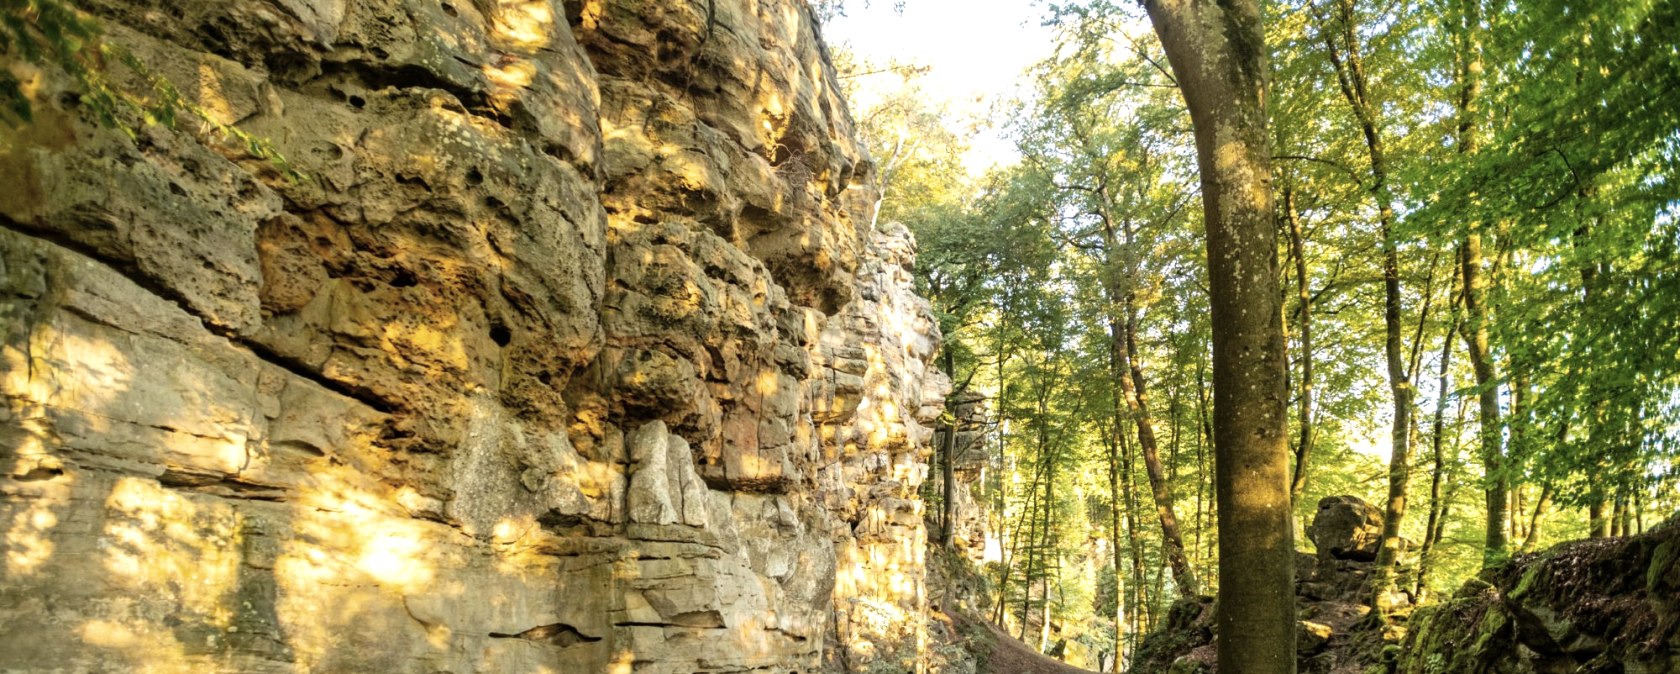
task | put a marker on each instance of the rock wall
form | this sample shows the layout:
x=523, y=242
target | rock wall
x=571, y=352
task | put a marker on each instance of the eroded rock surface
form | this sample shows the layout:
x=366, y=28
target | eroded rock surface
x=573, y=352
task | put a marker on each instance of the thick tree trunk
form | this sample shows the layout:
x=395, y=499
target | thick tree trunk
x=1218, y=53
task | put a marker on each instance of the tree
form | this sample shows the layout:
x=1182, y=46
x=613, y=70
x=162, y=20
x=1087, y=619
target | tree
x=1219, y=57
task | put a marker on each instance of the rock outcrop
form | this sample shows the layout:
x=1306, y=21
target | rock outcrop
x=571, y=352
x=1601, y=605
x=1333, y=593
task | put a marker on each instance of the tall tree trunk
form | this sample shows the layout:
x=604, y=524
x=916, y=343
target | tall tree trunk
x=1128, y=374
x=1204, y=433
x=1639, y=510
x=1218, y=54
x=948, y=449
x=1132, y=384
x=1437, y=439
x=1343, y=48
x=1132, y=536
x=1303, y=297
x=1114, y=541
x=1492, y=430
x=1118, y=500
x=1468, y=64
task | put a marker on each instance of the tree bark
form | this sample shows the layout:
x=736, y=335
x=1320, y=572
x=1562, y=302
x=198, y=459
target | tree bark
x=1114, y=541
x=947, y=450
x=1136, y=541
x=1437, y=440
x=1475, y=332
x=1598, y=526
x=1218, y=54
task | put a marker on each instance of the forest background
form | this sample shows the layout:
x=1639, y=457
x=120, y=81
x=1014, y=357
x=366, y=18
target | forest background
x=1479, y=224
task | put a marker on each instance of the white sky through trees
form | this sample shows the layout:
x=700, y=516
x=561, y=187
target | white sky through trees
x=976, y=52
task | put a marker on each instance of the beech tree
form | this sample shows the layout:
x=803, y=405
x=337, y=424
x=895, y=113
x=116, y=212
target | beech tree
x=1219, y=57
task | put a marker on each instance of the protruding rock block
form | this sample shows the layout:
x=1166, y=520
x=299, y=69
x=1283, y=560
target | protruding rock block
x=1346, y=527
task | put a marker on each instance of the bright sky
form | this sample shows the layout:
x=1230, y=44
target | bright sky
x=976, y=50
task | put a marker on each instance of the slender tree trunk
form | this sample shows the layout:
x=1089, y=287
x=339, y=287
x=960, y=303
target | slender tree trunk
x=1047, y=549
x=1114, y=541
x=1117, y=501
x=1541, y=505
x=948, y=449
x=1303, y=297
x=1205, y=489
x=1346, y=57
x=1128, y=373
x=1437, y=438
x=1136, y=541
x=1218, y=54
x=1022, y=545
x=1639, y=510
x=1132, y=383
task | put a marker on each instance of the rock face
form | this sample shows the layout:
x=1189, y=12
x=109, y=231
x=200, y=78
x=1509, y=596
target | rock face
x=1603, y=605
x=572, y=351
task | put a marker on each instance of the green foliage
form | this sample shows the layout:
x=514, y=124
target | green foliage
x=44, y=37
x=1573, y=187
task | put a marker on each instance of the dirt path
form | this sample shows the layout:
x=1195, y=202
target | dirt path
x=1009, y=656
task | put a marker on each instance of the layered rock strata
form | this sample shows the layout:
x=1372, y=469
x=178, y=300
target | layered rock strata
x=571, y=351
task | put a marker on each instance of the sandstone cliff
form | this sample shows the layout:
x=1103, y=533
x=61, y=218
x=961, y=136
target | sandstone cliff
x=573, y=351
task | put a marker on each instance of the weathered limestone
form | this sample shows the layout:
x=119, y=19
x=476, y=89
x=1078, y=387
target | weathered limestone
x=571, y=353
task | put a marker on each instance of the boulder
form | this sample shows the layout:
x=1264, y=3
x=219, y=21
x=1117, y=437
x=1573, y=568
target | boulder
x=1310, y=637
x=1346, y=527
